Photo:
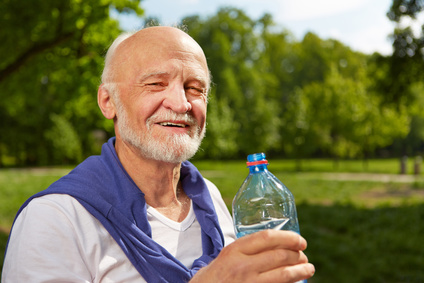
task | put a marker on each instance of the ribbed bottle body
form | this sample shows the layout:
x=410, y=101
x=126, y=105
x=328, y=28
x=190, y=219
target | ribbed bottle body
x=263, y=202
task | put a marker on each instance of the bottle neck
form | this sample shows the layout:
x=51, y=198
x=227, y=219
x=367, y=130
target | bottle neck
x=258, y=168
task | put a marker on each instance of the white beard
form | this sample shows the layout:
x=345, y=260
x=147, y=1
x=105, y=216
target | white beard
x=174, y=148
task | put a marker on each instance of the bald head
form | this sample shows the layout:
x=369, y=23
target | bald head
x=128, y=52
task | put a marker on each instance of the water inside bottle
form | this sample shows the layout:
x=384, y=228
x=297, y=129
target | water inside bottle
x=272, y=223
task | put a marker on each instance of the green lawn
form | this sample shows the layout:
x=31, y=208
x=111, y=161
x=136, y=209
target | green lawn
x=360, y=228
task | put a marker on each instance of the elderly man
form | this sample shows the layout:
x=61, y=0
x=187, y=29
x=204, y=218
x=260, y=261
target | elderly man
x=140, y=212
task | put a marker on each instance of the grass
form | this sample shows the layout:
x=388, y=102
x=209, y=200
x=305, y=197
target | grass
x=317, y=186
x=16, y=185
x=350, y=244
x=358, y=230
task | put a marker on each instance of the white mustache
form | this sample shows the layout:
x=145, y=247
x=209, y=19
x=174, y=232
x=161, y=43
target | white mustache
x=171, y=116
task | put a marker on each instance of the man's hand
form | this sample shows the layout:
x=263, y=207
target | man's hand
x=266, y=256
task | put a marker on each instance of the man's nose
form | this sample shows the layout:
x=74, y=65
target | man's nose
x=176, y=100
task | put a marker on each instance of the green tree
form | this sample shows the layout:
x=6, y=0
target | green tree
x=413, y=143
x=407, y=61
x=51, y=60
x=341, y=117
x=242, y=87
x=398, y=78
x=315, y=67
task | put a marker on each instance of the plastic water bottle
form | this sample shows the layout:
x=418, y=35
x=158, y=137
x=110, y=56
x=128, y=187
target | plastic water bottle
x=263, y=201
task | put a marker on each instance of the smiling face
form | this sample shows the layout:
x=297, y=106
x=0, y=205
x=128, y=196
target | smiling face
x=162, y=80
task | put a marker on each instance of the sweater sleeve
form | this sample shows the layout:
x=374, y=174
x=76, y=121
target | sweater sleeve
x=44, y=246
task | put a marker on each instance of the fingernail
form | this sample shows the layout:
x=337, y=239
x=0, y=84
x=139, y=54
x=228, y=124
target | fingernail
x=311, y=268
x=302, y=243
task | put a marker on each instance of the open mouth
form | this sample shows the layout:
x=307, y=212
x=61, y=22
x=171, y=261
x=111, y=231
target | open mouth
x=175, y=125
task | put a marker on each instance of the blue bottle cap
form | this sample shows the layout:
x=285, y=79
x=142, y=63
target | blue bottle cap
x=256, y=159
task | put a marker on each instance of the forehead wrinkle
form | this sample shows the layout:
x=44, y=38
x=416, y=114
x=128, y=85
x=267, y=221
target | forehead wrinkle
x=144, y=77
x=198, y=71
x=186, y=68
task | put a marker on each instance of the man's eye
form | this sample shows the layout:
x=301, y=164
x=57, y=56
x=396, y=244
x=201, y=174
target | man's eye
x=155, y=86
x=195, y=90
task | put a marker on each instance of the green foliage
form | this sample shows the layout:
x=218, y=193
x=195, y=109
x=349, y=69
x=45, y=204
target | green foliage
x=402, y=8
x=220, y=139
x=51, y=59
x=241, y=85
x=407, y=61
x=64, y=139
x=415, y=137
x=357, y=122
x=290, y=98
x=271, y=92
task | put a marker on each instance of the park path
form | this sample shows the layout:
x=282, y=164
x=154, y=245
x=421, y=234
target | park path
x=340, y=176
x=373, y=177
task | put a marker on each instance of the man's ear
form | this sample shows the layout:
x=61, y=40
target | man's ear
x=105, y=102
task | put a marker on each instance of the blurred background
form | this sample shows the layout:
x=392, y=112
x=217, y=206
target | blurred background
x=290, y=94
x=320, y=86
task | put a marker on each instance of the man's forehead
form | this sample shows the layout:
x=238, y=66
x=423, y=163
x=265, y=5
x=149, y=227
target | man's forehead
x=165, y=37
x=153, y=48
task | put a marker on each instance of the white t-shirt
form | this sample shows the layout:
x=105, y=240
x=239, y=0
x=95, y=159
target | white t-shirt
x=55, y=239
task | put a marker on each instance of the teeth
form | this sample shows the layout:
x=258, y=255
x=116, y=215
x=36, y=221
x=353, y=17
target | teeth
x=168, y=124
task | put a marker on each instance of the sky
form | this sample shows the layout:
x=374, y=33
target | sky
x=360, y=24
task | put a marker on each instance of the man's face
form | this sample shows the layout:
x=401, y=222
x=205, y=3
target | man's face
x=161, y=110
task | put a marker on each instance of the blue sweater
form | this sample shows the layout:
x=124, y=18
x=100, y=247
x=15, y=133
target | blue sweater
x=104, y=188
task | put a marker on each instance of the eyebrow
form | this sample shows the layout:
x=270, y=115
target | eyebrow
x=198, y=78
x=202, y=81
x=151, y=75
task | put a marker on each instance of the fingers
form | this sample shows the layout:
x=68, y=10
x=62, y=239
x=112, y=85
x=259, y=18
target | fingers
x=277, y=258
x=266, y=256
x=270, y=240
x=285, y=274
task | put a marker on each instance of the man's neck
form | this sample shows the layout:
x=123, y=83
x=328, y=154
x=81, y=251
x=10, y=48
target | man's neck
x=158, y=180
